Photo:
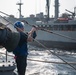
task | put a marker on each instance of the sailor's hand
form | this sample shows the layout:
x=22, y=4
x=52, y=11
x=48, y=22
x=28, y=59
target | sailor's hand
x=34, y=29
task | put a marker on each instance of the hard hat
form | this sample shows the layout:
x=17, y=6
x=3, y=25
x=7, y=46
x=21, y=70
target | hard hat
x=18, y=24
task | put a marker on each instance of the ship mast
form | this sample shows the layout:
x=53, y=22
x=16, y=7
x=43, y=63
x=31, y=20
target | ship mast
x=19, y=3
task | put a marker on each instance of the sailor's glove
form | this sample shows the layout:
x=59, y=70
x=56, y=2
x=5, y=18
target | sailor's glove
x=34, y=34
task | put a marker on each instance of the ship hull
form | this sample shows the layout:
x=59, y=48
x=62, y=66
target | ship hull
x=55, y=44
x=56, y=41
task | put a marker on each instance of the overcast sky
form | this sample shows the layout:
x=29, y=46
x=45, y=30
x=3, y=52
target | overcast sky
x=34, y=6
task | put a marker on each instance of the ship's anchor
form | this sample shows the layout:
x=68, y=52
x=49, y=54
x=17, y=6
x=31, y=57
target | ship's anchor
x=45, y=46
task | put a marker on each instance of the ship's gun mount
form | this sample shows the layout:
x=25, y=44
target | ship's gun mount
x=73, y=14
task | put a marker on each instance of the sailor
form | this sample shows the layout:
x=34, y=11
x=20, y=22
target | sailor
x=21, y=51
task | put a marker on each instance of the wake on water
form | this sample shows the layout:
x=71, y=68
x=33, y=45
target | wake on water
x=42, y=68
x=45, y=68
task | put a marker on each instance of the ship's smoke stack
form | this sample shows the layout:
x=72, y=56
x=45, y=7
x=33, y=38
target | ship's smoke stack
x=47, y=9
x=56, y=9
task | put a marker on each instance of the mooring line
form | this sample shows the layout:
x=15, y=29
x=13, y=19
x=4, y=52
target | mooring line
x=52, y=52
x=6, y=20
x=55, y=62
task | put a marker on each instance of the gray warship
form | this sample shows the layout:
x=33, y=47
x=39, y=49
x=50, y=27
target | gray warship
x=63, y=29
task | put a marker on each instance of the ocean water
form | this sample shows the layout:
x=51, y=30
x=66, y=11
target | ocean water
x=40, y=62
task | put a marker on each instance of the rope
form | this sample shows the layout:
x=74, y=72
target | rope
x=52, y=61
x=74, y=63
x=47, y=48
x=6, y=20
x=7, y=54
